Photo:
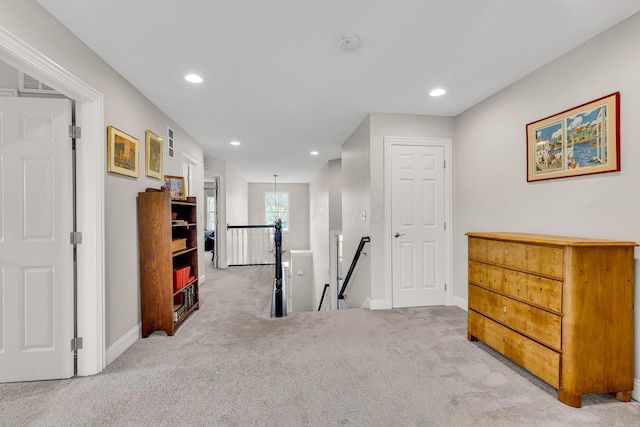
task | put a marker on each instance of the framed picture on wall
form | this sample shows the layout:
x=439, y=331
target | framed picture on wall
x=122, y=153
x=579, y=141
x=175, y=184
x=153, y=163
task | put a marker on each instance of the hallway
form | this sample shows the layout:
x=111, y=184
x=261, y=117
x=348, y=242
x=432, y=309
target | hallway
x=230, y=364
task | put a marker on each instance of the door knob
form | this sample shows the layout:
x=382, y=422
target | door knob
x=398, y=235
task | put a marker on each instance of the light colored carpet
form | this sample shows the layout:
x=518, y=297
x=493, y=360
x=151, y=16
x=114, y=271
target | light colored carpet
x=230, y=365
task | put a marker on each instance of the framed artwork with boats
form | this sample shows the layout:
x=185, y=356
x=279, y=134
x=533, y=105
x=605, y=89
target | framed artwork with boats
x=579, y=141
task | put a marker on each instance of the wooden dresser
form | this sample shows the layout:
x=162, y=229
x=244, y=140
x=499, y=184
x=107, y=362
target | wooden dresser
x=561, y=307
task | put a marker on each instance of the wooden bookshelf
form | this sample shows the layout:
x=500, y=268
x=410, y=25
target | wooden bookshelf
x=165, y=301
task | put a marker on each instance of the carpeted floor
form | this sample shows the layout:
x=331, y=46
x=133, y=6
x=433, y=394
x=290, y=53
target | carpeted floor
x=230, y=365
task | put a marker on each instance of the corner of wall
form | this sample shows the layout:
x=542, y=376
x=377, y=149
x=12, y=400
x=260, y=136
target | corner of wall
x=462, y=303
x=378, y=304
x=116, y=349
x=366, y=303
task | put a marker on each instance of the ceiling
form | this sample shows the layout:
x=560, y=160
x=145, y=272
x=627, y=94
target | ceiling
x=277, y=80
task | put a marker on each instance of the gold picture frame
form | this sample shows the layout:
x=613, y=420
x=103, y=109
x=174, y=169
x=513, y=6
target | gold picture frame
x=580, y=141
x=122, y=153
x=175, y=184
x=153, y=155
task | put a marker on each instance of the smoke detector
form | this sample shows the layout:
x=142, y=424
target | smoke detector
x=349, y=42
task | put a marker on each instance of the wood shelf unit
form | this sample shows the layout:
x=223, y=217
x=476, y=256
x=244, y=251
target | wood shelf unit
x=163, y=306
x=560, y=307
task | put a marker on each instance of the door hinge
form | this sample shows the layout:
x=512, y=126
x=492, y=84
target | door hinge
x=76, y=237
x=444, y=162
x=445, y=225
x=76, y=343
x=75, y=132
x=445, y=287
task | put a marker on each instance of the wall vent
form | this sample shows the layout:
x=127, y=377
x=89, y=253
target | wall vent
x=170, y=142
x=28, y=84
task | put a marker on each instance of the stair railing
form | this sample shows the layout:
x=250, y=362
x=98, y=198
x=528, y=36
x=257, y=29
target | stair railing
x=250, y=244
x=324, y=292
x=279, y=300
x=356, y=257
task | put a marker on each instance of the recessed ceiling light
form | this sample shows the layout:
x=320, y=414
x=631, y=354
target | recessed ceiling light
x=437, y=92
x=235, y=143
x=193, y=78
x=314, y=153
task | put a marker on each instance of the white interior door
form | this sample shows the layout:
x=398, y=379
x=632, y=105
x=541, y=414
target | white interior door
x=36, y=258
x=418, y=225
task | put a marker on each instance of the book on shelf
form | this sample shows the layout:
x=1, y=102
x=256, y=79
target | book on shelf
x=178, y=311
x=181, y=277
x=185, y=299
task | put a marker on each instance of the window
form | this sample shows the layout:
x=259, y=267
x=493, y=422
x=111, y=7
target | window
x=277, y=207
x=211, y=211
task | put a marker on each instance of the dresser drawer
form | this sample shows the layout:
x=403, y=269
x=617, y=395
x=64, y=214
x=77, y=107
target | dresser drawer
x=535, y=358
x=533, y=322
x=536, y=259
x=537, y=290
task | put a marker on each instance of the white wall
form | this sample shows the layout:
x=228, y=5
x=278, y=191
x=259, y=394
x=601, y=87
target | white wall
x=297, y=236
x=334, y=172
x=237, y=197
x=491, y=192
x=128, y=110
x=319, y=212
x=363, y=190
x=325, y=209
x=356, y=198
x=400, y=125
x=8, y=76
x=235, y=207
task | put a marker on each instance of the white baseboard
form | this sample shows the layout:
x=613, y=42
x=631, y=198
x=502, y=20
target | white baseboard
x=462, y=303
x=378, y=304
x=117, y=348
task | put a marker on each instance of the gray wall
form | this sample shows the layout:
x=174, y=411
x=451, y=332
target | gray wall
x=491, y=192
x=128, y=110
x=297, y=236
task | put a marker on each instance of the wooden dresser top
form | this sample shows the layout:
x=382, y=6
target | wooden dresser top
x=543, y=239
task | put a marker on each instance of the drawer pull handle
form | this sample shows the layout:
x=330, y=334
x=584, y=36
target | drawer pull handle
x=504, y=308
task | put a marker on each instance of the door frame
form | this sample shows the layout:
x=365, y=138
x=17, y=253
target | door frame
x=215, y=189
x=90, y=191
x=445, y=143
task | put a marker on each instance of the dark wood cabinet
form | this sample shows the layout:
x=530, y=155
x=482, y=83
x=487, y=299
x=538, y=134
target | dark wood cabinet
x=168, y=241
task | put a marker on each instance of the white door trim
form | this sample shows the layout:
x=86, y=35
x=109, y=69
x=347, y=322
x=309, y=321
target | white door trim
x=388, y=243
x=90, y=191
x=195, y=187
